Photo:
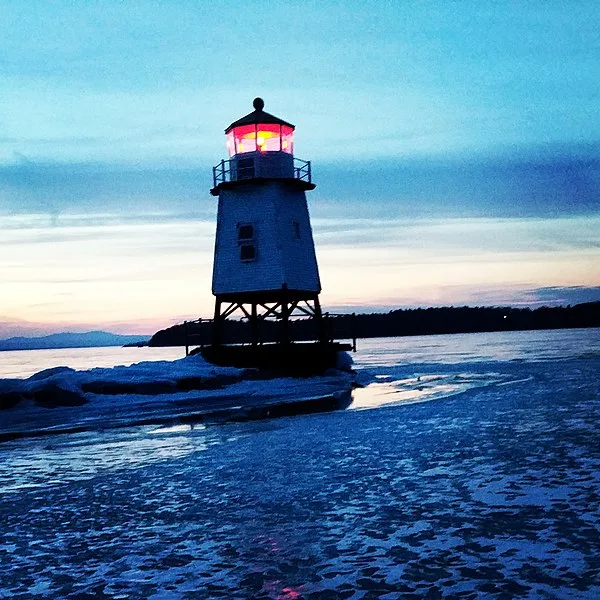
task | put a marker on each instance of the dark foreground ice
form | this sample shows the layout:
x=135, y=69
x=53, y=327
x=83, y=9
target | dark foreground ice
x=489, y=490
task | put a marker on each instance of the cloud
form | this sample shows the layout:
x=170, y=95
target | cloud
x=468, y=295
x=472, y=239
x=500, y=295
x=150, y=82
x=98, y=189
x=547, y=184
x=537, y=183
x=561, y=295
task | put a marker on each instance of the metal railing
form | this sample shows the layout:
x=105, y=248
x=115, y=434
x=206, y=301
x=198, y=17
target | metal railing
x=223, y=172
x=340, y=326
x=302, y=170
x=337, y=327
x=194, y=334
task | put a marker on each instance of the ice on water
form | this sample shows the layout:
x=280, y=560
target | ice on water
x=64, y=399
x=475, y=473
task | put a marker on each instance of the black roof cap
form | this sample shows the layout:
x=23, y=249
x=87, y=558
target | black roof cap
x=258, y=115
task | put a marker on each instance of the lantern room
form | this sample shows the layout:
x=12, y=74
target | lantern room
x=260, y=146
x=259, y=131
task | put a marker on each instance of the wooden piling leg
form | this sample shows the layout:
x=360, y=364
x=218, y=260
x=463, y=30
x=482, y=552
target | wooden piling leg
x=217, y=323
x=285, y=322
x=254, y=324
x=321, y=329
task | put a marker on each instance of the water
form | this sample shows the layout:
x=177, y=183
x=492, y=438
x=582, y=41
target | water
x=468, y=468
x=23, y=363
x=383, y=352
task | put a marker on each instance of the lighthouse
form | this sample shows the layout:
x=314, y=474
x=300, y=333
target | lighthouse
x=265, y=266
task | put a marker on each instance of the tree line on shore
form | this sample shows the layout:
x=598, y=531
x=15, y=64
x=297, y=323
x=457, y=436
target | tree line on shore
x=399, y=322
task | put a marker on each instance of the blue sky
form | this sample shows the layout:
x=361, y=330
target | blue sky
x=455, y=147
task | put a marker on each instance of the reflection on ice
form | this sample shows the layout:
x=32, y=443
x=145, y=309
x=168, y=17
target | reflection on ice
x=179, y=428
x=380, y=394
x=79, y=457
x=421, y=388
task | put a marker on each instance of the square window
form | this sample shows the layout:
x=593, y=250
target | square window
x=245, y=168
x=247, y=252
x=245, y=232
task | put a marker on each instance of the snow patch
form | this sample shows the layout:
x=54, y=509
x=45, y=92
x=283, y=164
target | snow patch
x=158, y=391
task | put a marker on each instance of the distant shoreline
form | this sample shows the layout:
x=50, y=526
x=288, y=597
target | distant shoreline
x=395, y=323
x=409, y=322
x=66, y=340
x=145, y=345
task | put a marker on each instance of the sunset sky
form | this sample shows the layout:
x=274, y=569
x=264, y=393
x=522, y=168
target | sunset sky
x=455, y=148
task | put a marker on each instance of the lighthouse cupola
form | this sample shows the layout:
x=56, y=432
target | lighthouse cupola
x=264, y=250
x=260, y=145
x=259, y=131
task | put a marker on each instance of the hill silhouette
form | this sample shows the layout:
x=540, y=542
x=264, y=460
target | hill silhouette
x=89, y=339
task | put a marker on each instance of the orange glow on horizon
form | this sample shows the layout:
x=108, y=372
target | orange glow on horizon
x=160, y=272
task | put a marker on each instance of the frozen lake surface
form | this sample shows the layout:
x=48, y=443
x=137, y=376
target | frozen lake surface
x=468, y=467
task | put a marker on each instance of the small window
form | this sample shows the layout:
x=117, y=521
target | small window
x=247, y=252
x=296, y=227
x=245, y=232
x=245, y=168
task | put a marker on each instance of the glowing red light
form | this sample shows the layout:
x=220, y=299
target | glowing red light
x=262, y=137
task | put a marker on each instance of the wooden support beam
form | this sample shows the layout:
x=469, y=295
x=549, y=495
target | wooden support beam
x=187, y=342
x=254, y=324
x=305, y=311
x=217, y=324
x=270, y=310
x=230, y=310
x=246, y=313
x=286, y=308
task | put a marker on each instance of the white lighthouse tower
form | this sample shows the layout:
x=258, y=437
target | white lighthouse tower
x=265, y=265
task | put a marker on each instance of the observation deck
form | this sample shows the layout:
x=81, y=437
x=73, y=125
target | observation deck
x=258, y=167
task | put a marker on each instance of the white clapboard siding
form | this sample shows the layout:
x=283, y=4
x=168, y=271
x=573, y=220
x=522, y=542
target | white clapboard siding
x=285, y=252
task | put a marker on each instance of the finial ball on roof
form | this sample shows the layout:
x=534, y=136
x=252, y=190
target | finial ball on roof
x=258, y=103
